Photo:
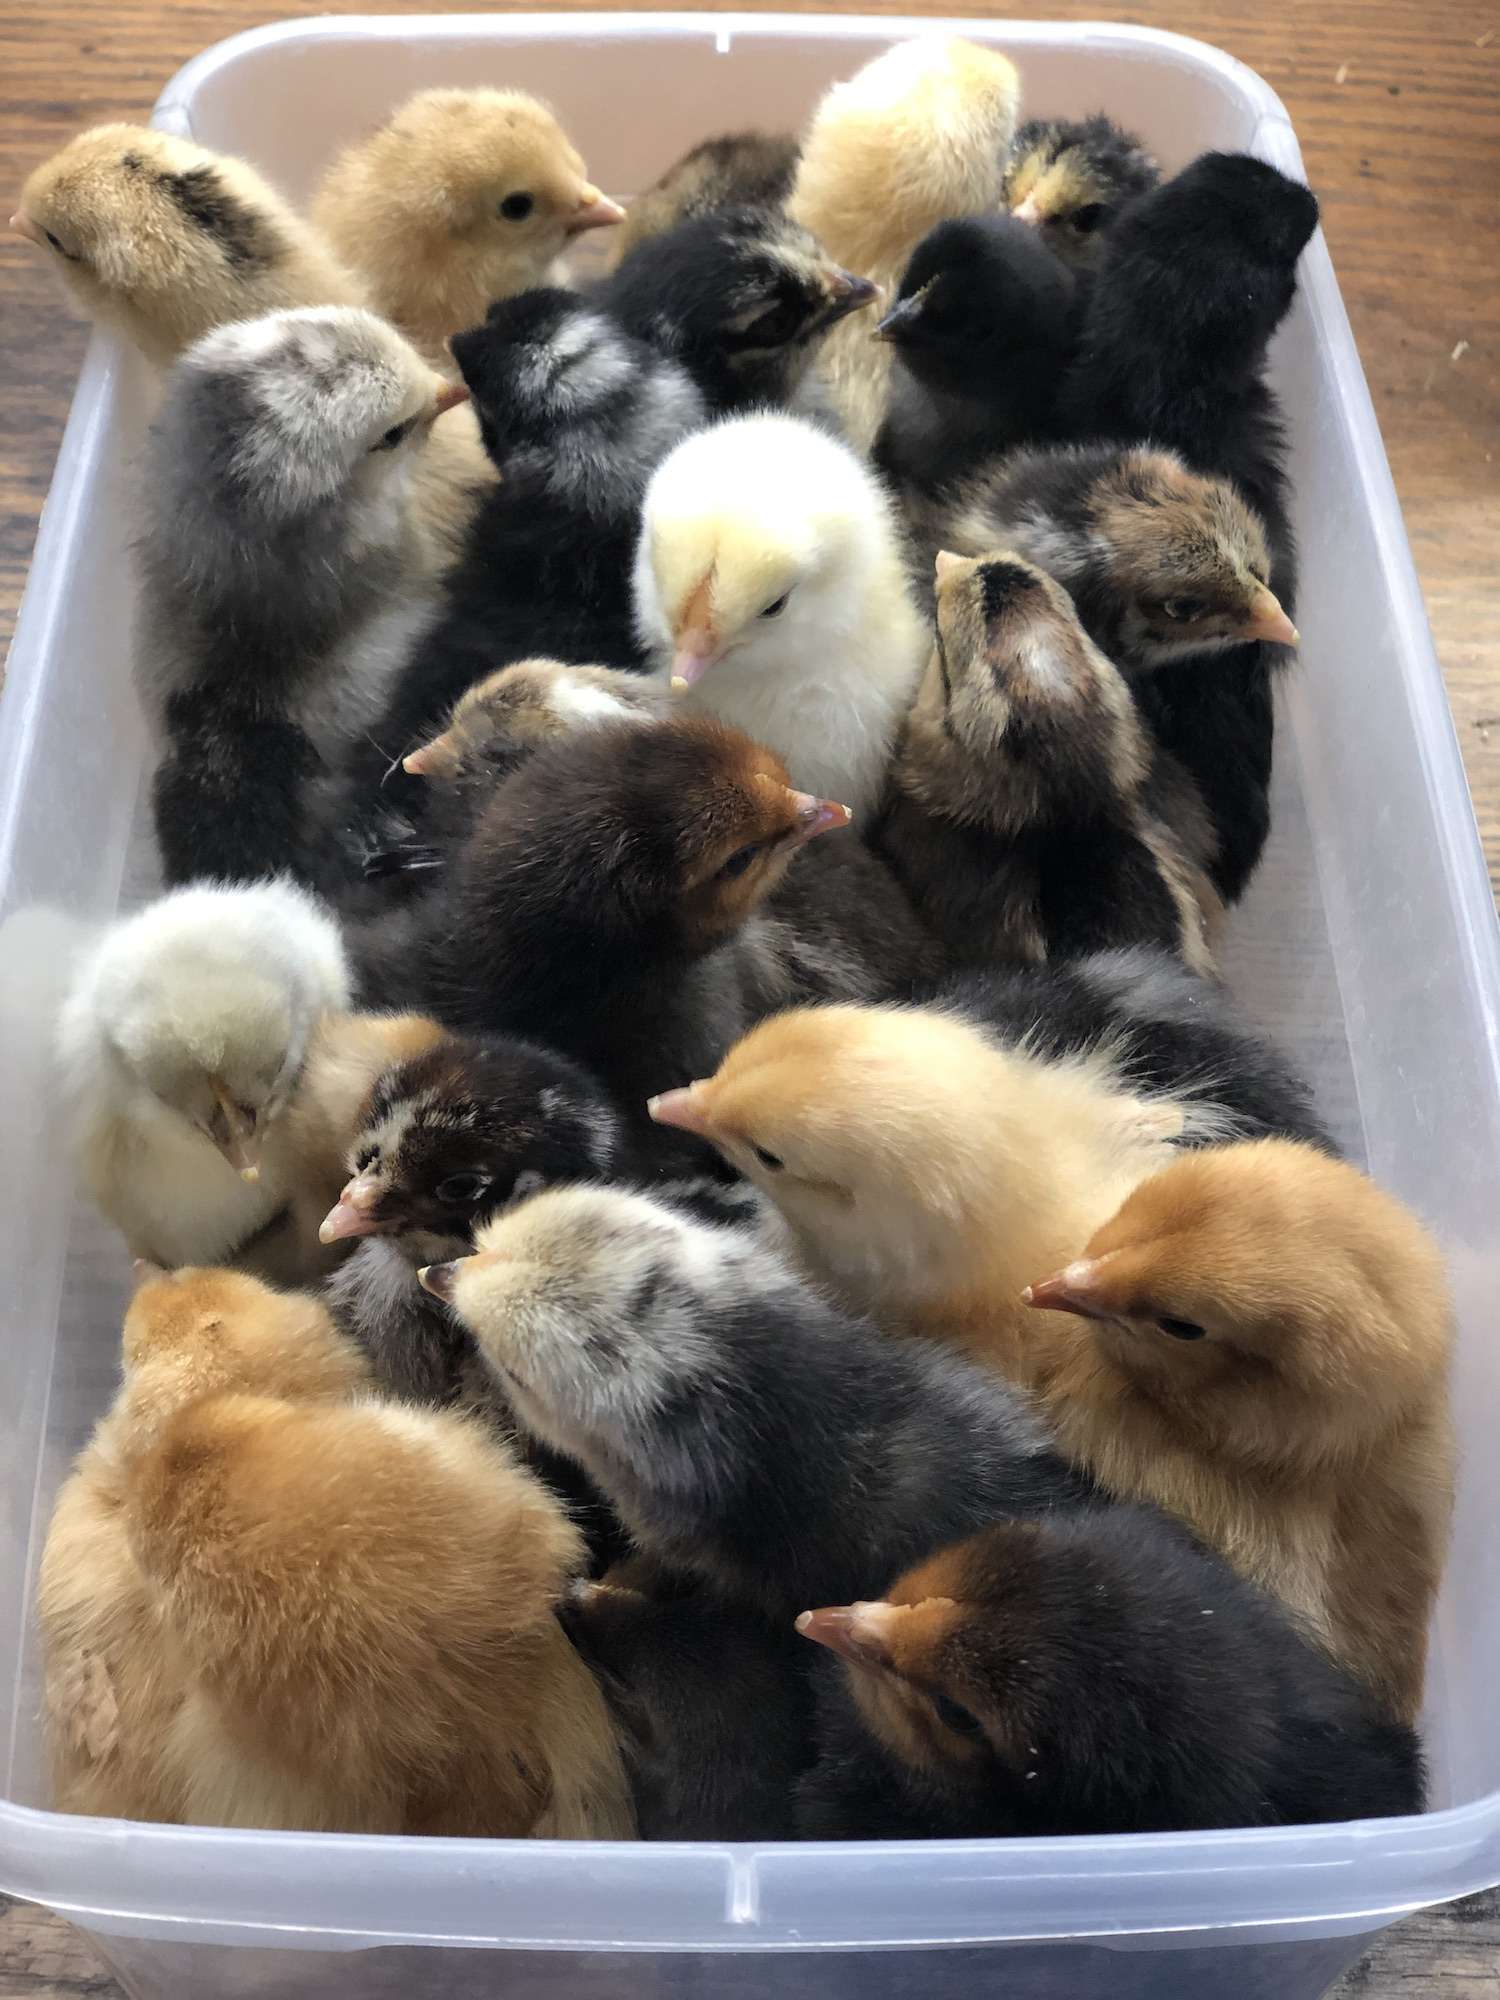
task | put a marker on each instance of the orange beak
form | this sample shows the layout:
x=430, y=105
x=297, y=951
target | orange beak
x=683, y=1109
x=815, y=816
x=1073, y=1290
x=843, y=1630
x=448, y=397
x=594, y=211
x=356, y=1211
x=23, y=225
x=1269, y=622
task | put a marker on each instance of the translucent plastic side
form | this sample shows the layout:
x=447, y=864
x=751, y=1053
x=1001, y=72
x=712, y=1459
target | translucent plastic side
x=1367, y=944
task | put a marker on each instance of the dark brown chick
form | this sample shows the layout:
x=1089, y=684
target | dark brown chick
x=738, y=170
x=1028, y=816
x=1098, y=1672
x=1068, y=176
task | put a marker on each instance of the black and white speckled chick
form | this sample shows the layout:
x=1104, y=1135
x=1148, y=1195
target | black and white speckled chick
x=1028, y=816
x=576, y=414
x=1103, y=1673
x=742, y=298
x=713, y=1705
x=282, y=575
x=747, y=1431
x=983, y=327
x=1067, y=178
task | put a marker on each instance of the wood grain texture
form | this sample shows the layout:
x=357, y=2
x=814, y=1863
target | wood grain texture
x=1397, y=106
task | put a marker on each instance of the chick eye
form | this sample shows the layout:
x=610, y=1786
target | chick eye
x=1181, y=1329
x=58, y=247
x=768, y=1159
x=775, y=609
x=738, y=863
x=516, y=207
x=1087, y=219
x=1182, y=609
x=462, y=1188
x=953, y=1715
x=389, y=440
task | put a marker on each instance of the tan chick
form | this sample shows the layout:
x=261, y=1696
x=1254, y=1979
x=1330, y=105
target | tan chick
x=920, y=1164
x=461, y=198
x=111, y=1694
x=918, y=136
x=1261, y=1344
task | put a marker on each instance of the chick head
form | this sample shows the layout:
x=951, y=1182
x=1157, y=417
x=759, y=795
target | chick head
x=978, y=293
x=297, y=409
x=499, y=721
x=206, y=1000
x=1263, y=1276
x=158, y=233
x=1187, y=557
x=483, y=183
x=741, y=297
x=593, y=1307
x=463, y=1130
x=1066, y=177
x=199, y=1332
x=757, y=537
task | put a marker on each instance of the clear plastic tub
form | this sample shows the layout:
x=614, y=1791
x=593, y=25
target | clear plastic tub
x=1368, y=943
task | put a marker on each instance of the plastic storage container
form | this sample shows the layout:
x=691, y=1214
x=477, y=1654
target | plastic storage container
x=1368, y=943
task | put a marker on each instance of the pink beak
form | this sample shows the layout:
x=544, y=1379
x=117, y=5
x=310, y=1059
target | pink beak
x=696, y=652
x=594, y=211
x=356, y=1211
x=449, y=396
x=815, y=816
x=1270, y=622
x=838, y=1628
x=1069, y=1291
x=438, y=1279
x=681, y=1108
x=23, y=225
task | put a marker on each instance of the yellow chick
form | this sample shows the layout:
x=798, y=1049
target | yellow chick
x=463, y=197
x=919, y=136
x=1260, y=1342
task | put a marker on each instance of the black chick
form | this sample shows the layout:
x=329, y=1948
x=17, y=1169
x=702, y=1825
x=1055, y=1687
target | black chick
x=576, y=415
x=713, y=1705
x=1194, y=279
x=1027, y=815
x=1067, y=178
x=983, y=329
x=601, y=904
x=736, y=170
x=742, y=299
x=748, y=1432
x=1170, y=1033
x=1099, y=1673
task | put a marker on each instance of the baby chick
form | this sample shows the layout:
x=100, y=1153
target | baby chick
x=1094, y=1673
x=1025, y=813
x=712, y=1702
x=920, y=1164
x=598, y=905
x=577, y=415
x=749, y=1432
x=281, y=576
x=1067, y=178
x=769, y=581
x=181, y=1043
x=167, y=240
x=1263, y=1347
x=109, y=1706
x=916, y=138
x=982, y=327
x=738, y=170
x=460, y=198
x=742, y=298
x=1171, y=573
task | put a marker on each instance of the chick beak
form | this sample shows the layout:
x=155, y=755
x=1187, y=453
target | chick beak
x=22, y=225
x=844, y=1629
x=1269, y=622
x=947, y=562
x=1029, y=211
x=437, y=759
x=355, y=1213
x=1073, y=1290
x=449, y=396
x=901, y=318
x=144, y=1272
x=594, y=211
x=682, y=1108
x=240, y=1145
x=698, y=649
x=815, y=816
x=439, y=1279
x=847, y=294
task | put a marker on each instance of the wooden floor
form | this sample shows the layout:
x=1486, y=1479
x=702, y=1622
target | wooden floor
x=1397, y=105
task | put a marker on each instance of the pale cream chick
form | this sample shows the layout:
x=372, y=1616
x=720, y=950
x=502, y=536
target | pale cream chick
x=919, y=136
x=461, y=198
x=1261, y=1343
